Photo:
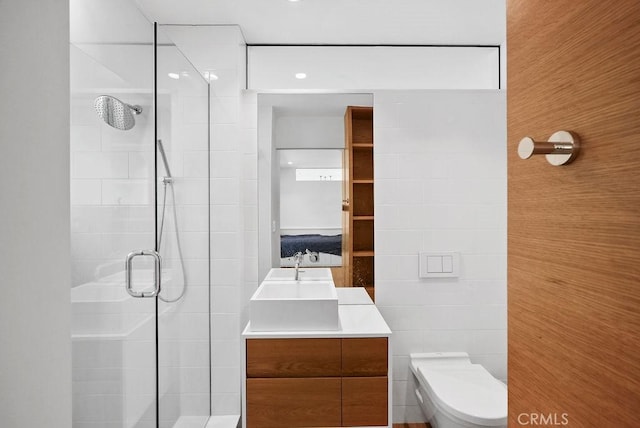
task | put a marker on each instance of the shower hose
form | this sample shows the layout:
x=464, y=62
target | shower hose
x=168, y=182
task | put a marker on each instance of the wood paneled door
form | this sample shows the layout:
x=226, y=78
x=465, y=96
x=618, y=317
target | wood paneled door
x=574, y=230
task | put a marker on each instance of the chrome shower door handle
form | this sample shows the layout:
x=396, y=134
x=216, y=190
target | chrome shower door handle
x=157, y=266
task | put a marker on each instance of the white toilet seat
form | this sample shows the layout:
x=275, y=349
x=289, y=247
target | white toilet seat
x=466, y=391
x=470, y=393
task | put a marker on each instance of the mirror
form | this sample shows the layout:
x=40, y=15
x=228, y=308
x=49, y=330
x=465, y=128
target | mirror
x=310, y=206
x=308, y=131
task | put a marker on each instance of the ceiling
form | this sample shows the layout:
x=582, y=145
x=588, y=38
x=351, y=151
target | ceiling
x=410, y=22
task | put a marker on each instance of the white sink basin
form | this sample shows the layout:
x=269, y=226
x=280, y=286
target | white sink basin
x=304, y=274
x=294, y=306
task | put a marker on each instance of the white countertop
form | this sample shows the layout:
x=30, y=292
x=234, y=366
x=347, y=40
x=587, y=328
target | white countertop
x=353, y=296
x=356, y=320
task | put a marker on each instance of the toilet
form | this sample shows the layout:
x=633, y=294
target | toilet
x=454, y=393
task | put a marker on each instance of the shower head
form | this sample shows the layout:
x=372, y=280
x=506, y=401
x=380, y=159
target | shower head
x=116, y=113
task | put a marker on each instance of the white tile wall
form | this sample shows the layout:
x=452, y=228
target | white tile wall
x=440, y=171
x=227, y=223
x=195, y=164
x=86, y=192
x=225, y=164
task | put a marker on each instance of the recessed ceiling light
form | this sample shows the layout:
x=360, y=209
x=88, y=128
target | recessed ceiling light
x=294, y=1
x=289, y=163
x=301, y=75
x=213, y=76
x=174, y=75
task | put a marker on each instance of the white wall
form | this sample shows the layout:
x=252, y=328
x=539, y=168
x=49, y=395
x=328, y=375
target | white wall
x=227, y=237
x=267, y=183
x=312, y=132
x=35, y=356
x=373, y=67
x=309, y=205
x=440, y=173
x=250, y=182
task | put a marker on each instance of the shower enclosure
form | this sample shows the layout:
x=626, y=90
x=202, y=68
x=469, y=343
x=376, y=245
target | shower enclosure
x=139, y=224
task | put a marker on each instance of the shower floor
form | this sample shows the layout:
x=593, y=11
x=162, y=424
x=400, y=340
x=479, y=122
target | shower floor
x=228, y=421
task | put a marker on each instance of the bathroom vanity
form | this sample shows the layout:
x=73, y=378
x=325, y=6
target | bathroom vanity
x=324, y=378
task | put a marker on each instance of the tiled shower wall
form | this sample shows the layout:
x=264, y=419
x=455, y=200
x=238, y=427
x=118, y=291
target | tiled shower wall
x=440, y=174
x=233, y=256
x=229, y=259
x=183, y=328
x=111, y=191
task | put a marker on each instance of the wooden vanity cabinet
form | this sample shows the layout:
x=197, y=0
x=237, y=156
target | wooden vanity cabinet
x=329, y=382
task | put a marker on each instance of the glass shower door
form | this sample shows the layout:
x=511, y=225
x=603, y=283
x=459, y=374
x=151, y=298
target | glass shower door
x=139, y=220
x=112, y=213
x=183, y=238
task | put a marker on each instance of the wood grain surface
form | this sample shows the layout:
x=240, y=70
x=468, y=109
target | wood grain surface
x=364, y=356
x=574, y=231
x=294, y=402
x=294, y=357
x=364, y=401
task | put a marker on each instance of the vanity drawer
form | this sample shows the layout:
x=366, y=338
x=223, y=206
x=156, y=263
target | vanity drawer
x=293, y=358
x=364, y=401
x=364, y=356
x=294, y=402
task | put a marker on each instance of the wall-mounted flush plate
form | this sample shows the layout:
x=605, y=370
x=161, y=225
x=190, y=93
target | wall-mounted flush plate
x=439, y=265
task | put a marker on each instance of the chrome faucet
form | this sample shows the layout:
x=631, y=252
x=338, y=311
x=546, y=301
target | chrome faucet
x=298, y=259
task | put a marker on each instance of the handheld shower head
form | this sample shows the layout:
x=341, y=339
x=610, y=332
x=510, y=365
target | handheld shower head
x=115, y=113
x=164, y=158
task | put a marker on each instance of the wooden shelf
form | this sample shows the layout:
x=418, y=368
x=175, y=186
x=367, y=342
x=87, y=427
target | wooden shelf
x=362, y=198
x=362, y=168
x=364, y=253
x=359, y=182
x=362, y=145
x=363, y=236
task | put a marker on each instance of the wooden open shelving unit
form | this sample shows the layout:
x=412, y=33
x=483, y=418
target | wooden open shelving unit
x=358, y=216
